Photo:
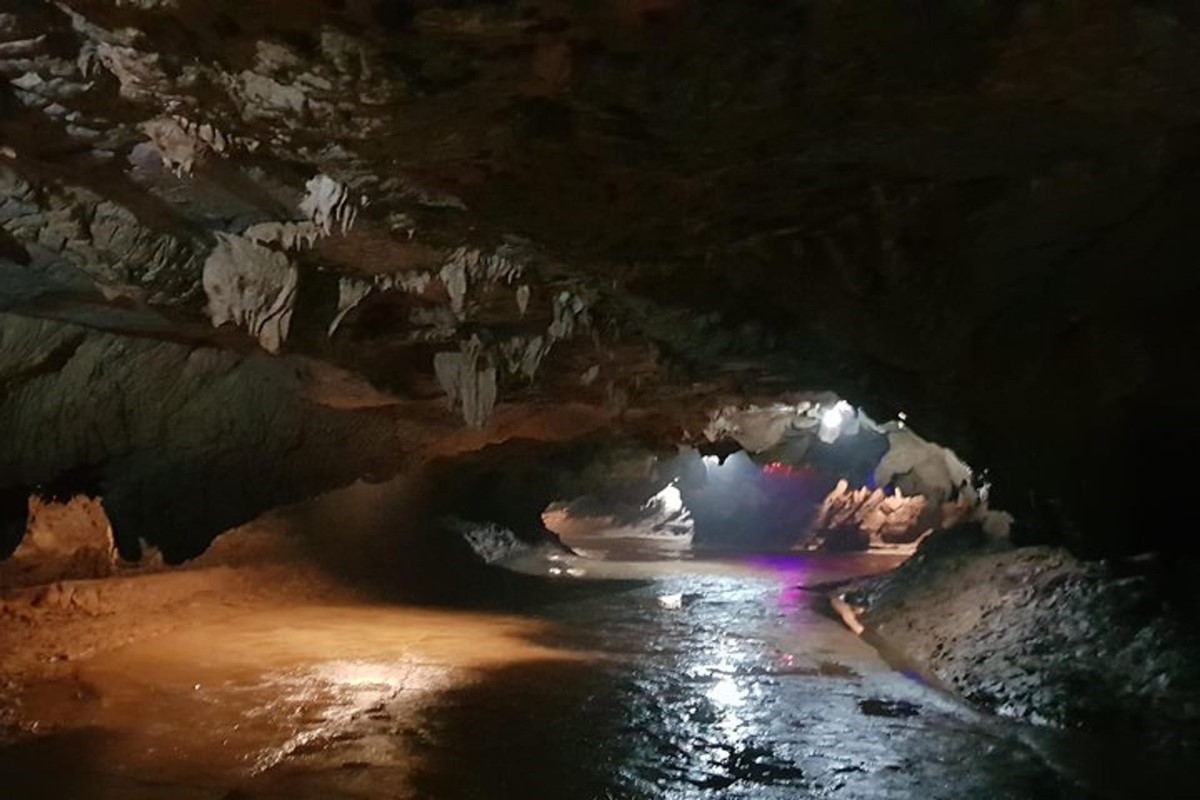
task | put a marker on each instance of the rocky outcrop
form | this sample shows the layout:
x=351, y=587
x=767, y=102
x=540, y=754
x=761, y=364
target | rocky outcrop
x=1036, y=634
x=75, y=235
x=468, y=384
x=867, y=517
x=252, y=287
x=69, y=540
x=181, y=441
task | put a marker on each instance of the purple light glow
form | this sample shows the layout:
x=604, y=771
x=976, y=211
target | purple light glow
x=791, y=570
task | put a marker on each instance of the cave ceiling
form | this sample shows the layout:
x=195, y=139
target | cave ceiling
x=294, y=229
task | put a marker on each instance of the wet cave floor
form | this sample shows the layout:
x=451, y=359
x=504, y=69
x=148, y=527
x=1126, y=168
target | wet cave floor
x=699, y=679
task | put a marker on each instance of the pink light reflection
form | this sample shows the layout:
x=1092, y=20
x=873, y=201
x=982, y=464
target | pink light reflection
x=791, y=570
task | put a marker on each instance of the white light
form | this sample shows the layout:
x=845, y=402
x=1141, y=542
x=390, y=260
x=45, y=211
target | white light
x=670, y=499
x=710, y=461
x=836, y=414
x=671, y=600
x=360, y=674
x=726, y=692
x=832, y=418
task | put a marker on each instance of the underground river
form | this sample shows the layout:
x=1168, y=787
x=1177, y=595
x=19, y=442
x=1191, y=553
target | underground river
x=625, y=678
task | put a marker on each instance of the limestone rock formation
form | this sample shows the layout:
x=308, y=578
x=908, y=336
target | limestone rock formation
x=980, y=216
x=252, y=287
x=879, y=517
x=469, y=382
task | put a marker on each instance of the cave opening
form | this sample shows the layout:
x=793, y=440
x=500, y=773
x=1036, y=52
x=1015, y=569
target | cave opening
x=820, y=476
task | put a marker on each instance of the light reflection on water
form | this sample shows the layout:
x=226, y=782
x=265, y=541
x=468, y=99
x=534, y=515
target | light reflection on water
x=710, y=680
x=242, y=696
x=792, y=572
x=338, y=692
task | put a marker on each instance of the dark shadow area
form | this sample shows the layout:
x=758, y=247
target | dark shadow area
x=539, y=730
x=70, y=764
x=386, y=540
x=13, y=519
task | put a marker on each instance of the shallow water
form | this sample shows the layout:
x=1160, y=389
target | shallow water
x=702, y=680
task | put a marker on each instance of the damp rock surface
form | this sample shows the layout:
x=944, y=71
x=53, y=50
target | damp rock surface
x=1036, y=634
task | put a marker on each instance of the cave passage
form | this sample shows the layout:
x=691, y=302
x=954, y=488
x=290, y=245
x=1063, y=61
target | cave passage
x=813, y=475
x=644, y=679
x=595, y=619
x=614, y=656
x=612, y=400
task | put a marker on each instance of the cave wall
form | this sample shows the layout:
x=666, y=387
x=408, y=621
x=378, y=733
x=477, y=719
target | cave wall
x=981, y=214
x=182, y=442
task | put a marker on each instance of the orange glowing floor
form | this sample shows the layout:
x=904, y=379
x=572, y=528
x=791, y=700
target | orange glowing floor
x=699, y=680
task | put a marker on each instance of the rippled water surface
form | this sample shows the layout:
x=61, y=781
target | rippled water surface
x=685, y=680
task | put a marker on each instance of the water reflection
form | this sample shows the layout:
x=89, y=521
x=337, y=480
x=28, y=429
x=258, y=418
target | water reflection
x=329, y=698
x=705, y=681
x=733, y=687
x=791, y=573
x=726, y=692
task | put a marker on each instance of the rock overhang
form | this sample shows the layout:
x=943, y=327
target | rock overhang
x=703, y=202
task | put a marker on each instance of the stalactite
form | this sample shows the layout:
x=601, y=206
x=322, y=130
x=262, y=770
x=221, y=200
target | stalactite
x=252, y=287
x=330, y=205
x=469, y=380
